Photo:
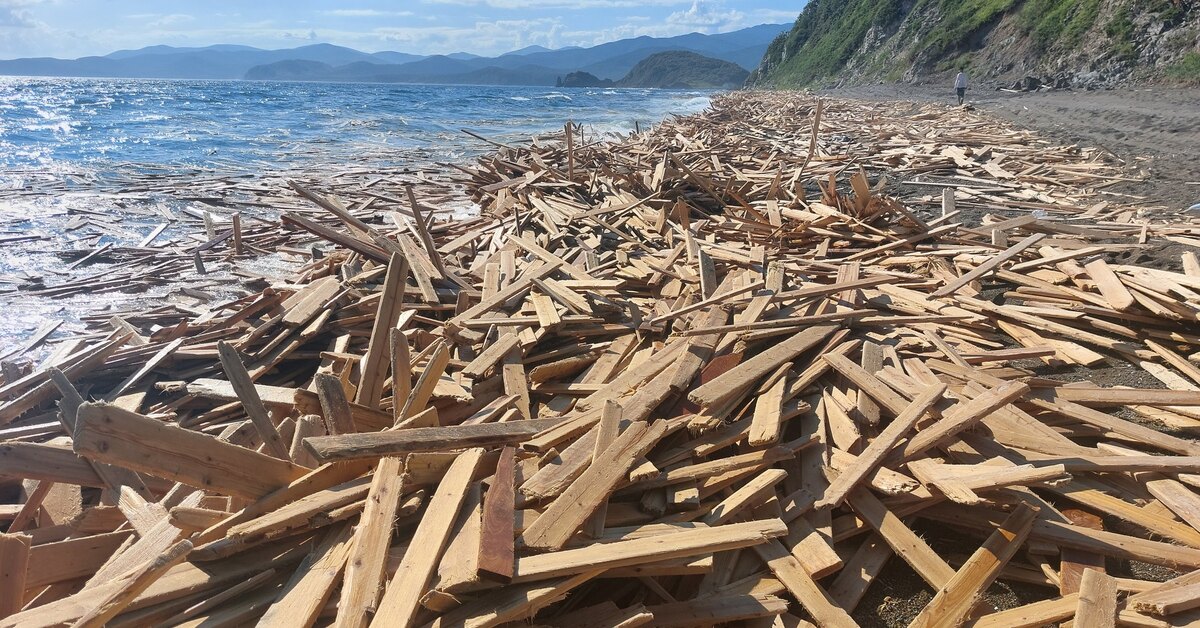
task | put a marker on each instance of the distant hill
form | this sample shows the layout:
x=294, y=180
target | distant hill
x=212, y=62
x=527, y=50
x=583, y=79
x=681, y=69
x=1082, y=43
x=532, y=65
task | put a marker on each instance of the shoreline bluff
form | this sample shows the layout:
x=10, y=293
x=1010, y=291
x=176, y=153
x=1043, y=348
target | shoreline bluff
x=723, y=370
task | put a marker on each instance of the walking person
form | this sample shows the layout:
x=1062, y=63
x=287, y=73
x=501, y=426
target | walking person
x=960, y=86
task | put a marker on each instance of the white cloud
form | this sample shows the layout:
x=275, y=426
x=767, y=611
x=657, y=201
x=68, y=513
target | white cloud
x=482, y=37
x=15, y=14
x=365, y=13
x=559, y=4
x=429, y=30
x=309, y=36
x=706, y=16
x=174, y=19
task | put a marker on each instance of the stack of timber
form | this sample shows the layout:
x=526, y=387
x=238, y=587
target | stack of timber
x=721, y=372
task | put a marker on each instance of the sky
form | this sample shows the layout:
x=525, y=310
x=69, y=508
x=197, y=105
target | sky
x=74, y=28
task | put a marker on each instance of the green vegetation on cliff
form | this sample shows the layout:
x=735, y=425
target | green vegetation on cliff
x=829, y=33
x=867, y=40
x=826, y=35
x=1187, y=70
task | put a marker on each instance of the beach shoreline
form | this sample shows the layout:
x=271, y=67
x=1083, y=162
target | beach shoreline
x=740, y=304
x=1154, y=130
x=61, y=202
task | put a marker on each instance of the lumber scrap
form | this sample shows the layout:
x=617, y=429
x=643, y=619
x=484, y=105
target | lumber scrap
x=125, y=439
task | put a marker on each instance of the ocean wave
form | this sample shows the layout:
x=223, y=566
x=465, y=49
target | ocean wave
x=696, y=104
x=62, y=127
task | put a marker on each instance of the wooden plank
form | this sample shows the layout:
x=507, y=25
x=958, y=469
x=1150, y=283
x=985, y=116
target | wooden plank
x=955, y=600
x=574, y=506
x=497, y=556
x=251, y=403
x=1110, y=285
x=717, y=610
x=990, y=265
x=154, y=362
x=606, y=433
x=767, y=421
x=902, y=540
x=109, y=434
x=47, y=463
x=374, y=366
x=511, y=603
x=1173, y=596
x=962, y=416
x=339, y=418
x=14, y=566
x=402, y=599
x=130, y=584
x=1032, y=615
x=380, y=444
x=730, y=383
x=458, y=569
x=1097, y=600
x=361, y=585
x=880, y=447
x=751, y=494
x=803, y=588
x=867, y=383
x=1075, y=561
x=859, y=572
x=71, y=559
x=644, y=550
x=235, y=592
x=422, y=392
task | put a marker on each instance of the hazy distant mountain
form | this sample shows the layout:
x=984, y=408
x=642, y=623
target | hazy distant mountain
x=212, y=62
x=397, y=57
x=532, y=65
x=527, y=50
x=167, y=50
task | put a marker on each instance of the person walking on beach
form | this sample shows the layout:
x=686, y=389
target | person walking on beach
x=960, y=86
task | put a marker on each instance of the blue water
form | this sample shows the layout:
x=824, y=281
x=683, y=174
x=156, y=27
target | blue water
x=88, y=147
x=99, y=123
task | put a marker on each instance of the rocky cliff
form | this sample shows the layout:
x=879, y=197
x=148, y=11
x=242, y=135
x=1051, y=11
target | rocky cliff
x=1080, y=43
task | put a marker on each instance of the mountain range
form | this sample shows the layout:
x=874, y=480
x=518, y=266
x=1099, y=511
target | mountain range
x=532, y=65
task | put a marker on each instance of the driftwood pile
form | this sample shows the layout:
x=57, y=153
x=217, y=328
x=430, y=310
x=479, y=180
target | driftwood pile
x=723, y=371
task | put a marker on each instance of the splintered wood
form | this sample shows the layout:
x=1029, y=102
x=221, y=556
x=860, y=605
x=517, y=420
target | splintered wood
x=722, y=372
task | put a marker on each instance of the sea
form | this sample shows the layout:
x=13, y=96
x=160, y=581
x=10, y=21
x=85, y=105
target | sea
x=66, y=146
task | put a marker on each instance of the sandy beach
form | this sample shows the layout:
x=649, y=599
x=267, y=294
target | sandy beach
x=1153, y=130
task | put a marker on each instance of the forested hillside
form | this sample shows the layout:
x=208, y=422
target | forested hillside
x=1066, y=42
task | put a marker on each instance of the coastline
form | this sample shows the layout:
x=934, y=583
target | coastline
x=759, y=290
x=57, y=214
x=1151, y=129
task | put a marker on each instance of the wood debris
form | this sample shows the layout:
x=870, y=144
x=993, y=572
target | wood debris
x=721, y=371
